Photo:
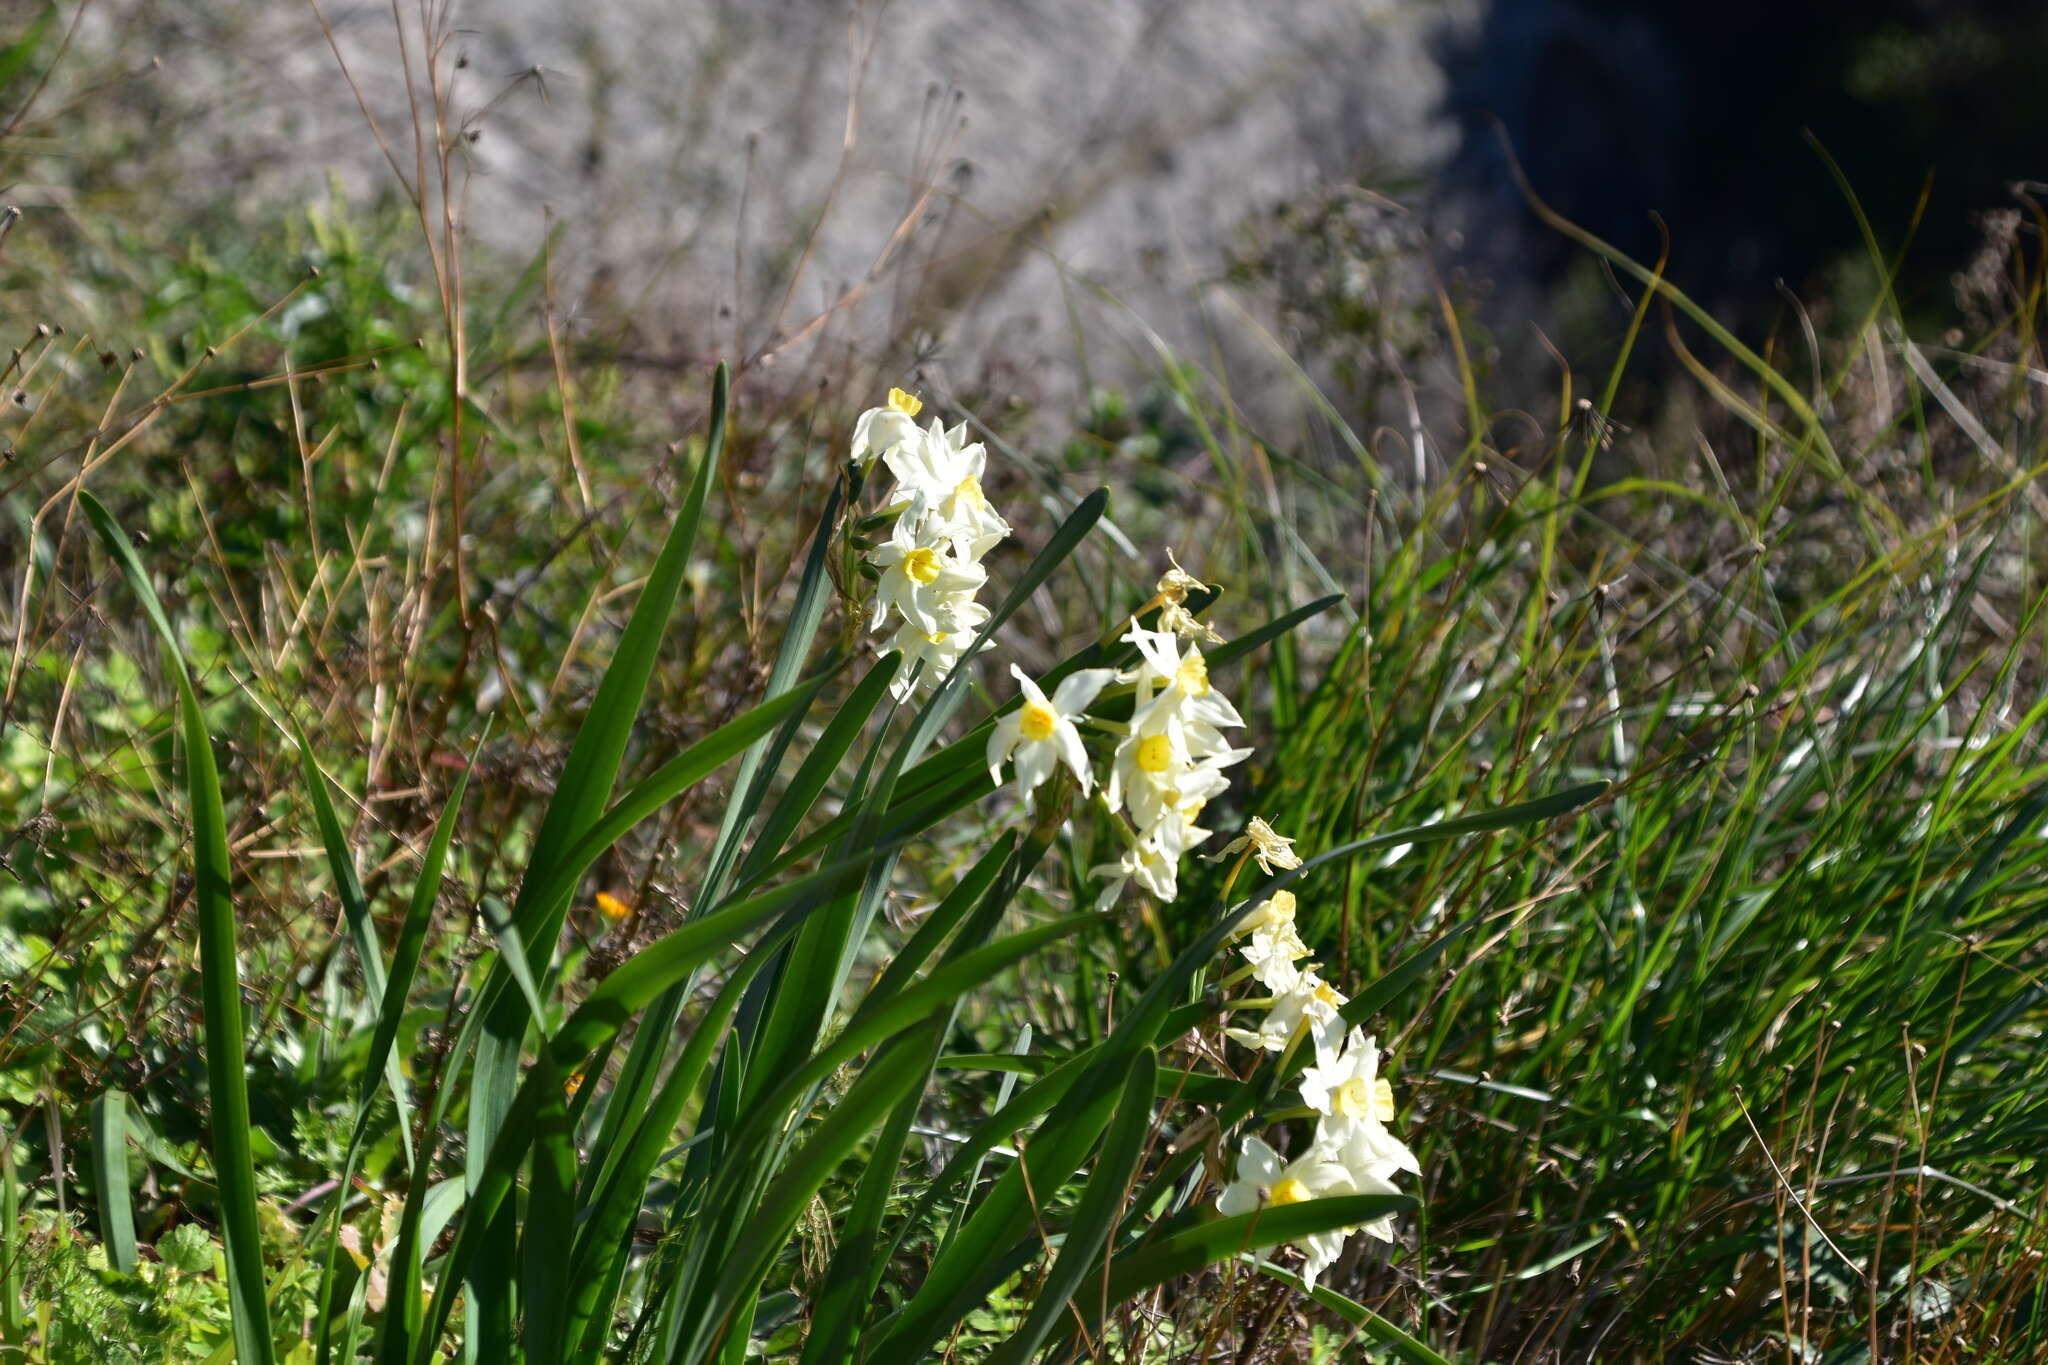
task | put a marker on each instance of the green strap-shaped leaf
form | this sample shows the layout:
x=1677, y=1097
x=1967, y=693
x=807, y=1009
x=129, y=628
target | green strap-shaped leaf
x=549, y=1226
x=665, y=784
x=769, y=1118
x=1204, y=1244
x=234, y=1163
x=609, y=1212
x=636, y=1079
x=899, y=1070
x=608, y=1008
x=964, y=1273
x=842, y=1300
x=1367, y=1322
x=405, y=961
x=110, y=1178
x=355, y=909
x=577, y=804
x=1096, y=1217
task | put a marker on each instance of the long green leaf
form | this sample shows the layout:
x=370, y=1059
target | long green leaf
x=665, y=784
x=964, y=1273
x=220, y=981
x=1369, y=1323
x=898, y=1070
x=607, y=1010
x=1382, y=991
x=1096, y=1217
x=636, y=1080
x=110, y=1178
x=1206, y=1243
x=612, y=1206
x=355, y=908
x=578, y=804
x=850, y=1281
x=549, y=1226
x=405, y=961
x=875, y=1022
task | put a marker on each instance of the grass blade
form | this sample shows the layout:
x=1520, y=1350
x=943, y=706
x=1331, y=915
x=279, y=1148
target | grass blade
x=355, y=908
x=234, y=1164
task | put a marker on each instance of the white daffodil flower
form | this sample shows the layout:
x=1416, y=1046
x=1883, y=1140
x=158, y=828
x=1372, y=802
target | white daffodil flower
x=937, y=650
x=1041, y=733
x=1269, y=916
x=881, y=430
x=1153, y=773
x=1165, y=667
x=1265, y=1181
x=1272, y=957
x=941, y=478
x=1152, y=866
x=922, y=581
x=1175, y=696
x=1345, y=1085
x=1310, y=1002
x=1282, y=941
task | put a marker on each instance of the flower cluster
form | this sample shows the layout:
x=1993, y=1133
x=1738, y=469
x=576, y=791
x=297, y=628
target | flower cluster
x=1169, y=757
x=1352, y=1150
x=931, y=564
x=1167, y=762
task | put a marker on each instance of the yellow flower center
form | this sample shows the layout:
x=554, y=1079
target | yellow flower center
x=1155, y=753
x=922, y=564
x=968, y=492
x=1193, y=675
x=935, y=637
x=1353, y=1099
x=1327, y=993
x=1290, y=1192
x=1036, y=721
x=612, y=906
x=909, y=404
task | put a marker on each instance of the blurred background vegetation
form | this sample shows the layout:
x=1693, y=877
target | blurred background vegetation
x=1744, y=1063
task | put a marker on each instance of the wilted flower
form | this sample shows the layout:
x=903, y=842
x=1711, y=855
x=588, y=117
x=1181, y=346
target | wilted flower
x=1270, y=849
x=1174, y=617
